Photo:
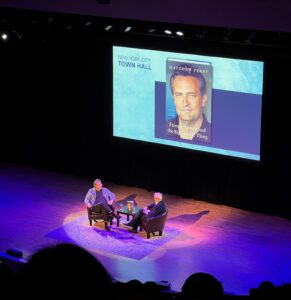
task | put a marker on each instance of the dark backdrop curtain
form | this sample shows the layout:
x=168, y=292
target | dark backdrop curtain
x=57, y=114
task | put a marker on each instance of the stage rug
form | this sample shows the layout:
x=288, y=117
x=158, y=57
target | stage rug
x=119, y=241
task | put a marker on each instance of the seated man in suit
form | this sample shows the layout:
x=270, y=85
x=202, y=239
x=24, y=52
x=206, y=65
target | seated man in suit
x=155, y=209
x=101, y=200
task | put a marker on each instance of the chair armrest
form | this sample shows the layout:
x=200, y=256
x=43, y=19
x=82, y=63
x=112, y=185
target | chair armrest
x=153, y=224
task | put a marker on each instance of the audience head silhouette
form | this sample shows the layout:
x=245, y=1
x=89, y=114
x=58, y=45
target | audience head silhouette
x=282, y=292
x=66, y=269
x=6, y=278
x=202, y=286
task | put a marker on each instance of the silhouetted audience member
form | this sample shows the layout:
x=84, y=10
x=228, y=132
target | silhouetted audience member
x=282, y=292
x=130, y=290
x=151, y=290
x=202, y=286
x=64, y=270
x=134, y=285
x=264, y=291
x=6, y=278
x=134, y=289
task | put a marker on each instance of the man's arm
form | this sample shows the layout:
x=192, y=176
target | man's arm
x=151, y=205
x=157, y=210
x=109, y=196
x=89, y=199
x=148, y=208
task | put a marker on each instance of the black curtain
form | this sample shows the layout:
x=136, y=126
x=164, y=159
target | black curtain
x=57, y=114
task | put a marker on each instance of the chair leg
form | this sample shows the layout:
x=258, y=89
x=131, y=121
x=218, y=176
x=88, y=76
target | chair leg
x=160, y=232
x=148, y=235
x=90, y=221
x=105, y=224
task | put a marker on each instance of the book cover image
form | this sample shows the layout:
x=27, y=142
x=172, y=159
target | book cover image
x=189, y=100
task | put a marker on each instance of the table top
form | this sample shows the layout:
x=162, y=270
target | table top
x=124, y=210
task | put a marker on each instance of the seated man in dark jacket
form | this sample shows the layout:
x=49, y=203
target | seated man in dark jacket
x=155, y=209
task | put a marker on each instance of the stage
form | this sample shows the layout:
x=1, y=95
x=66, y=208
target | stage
x=240, y=248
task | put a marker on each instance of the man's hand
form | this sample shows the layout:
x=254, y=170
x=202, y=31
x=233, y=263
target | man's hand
x=110, y=202
x=146, y=211
x=89, y=205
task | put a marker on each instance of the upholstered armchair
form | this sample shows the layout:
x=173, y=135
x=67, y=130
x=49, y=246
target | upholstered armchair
x=154, y=224
x=98, y=217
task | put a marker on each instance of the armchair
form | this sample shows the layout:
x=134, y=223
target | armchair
x=154, y=224
x=98, y=216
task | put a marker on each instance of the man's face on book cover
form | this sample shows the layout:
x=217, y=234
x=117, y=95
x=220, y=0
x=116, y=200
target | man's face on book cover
x=188, y=99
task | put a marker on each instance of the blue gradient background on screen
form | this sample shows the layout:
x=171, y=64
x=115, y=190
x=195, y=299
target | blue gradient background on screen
x=138, y=91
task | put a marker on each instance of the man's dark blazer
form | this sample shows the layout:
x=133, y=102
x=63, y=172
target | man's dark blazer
x=156, y=209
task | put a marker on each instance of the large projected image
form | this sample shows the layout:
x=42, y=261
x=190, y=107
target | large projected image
x=203, y=103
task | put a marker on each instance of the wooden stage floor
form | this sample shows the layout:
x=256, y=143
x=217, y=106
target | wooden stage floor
x=240, y=248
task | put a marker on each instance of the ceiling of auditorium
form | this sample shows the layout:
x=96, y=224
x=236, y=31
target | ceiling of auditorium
x=248, y=14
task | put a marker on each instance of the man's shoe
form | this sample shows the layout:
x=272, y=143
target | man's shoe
x=114, y=215
x=133, y=230
x=117, y=217
x=129, y=224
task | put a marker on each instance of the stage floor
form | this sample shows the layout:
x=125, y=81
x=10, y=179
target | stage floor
x=240, y=248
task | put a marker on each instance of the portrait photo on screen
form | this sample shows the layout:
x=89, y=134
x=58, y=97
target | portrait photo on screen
x=197, y=102
x=189, y=88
